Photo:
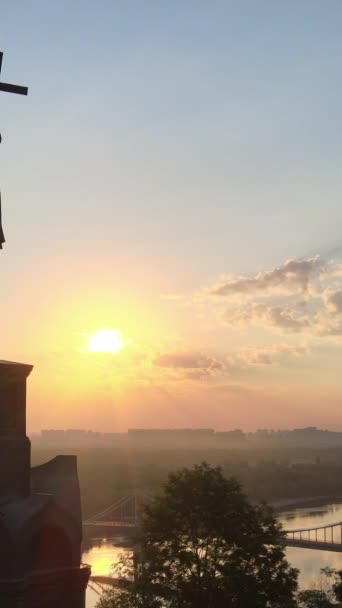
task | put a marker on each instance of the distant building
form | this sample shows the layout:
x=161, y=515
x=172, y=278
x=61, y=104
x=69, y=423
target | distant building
x=235, y=436
x=171, y=432
x=78, y=438
x=40, y=513
x=171, y=437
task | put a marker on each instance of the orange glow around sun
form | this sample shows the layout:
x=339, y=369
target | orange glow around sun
x=106, y=341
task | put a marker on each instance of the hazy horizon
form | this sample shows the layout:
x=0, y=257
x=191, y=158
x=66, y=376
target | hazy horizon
x=194, y=429
x=173, y=180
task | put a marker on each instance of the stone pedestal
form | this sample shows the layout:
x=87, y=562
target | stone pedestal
x=40, y=513
x=14, y=445
x=12, y=593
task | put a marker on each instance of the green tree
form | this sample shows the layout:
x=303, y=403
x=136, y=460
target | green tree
x=204, y=545
x=313, y=598
x=328, y=590
x=337, y=585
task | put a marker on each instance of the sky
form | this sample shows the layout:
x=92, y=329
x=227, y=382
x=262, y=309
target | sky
x=174, y=176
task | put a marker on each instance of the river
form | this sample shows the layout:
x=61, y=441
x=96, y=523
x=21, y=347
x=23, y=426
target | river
x=102, y=553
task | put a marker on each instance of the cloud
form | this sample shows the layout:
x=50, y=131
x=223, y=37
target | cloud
x=329, y=327
x=199, y=366
x=270, y=355
x=195, y=363
x=231, y=390
x=332, y=330
x=334, y=302
x=301, y=296
x=184, y=360
x=286, y=318
x=318, y=317
x=292, y=276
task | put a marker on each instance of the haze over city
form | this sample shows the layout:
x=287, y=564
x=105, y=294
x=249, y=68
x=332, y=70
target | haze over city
x=171, y=201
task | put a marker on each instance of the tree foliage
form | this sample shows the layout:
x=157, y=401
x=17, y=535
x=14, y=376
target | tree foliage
x=337, y=584
x=313, y=598
x=204, y=545
x=327, y=591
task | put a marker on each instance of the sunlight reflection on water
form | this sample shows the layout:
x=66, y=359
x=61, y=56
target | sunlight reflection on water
x=100, y=554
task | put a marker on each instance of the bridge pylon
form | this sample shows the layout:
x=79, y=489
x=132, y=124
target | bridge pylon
x=126, y=511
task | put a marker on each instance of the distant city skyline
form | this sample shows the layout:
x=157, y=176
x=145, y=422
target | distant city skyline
x=188, y=437
x=173, y=181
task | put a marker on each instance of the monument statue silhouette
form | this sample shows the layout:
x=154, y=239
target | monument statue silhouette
x=40, y=507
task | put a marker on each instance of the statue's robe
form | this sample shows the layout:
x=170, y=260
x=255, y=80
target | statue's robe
x=2, y=238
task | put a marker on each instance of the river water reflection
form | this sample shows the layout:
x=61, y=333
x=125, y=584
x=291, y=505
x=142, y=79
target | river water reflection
x=310, y=561
x=101, y=554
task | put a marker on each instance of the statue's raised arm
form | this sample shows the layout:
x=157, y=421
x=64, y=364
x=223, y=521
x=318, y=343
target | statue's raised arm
x=18, y=90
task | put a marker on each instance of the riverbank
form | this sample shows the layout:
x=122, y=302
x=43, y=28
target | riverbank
x=289, y=504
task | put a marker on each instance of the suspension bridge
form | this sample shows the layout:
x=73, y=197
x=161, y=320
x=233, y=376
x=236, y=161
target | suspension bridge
x=123, y=517
x=323, y=538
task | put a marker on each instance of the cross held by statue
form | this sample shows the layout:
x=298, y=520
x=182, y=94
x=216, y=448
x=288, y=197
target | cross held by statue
x=18, y=90
x=11, y=88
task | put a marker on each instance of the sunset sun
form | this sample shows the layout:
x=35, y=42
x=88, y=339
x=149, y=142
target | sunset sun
x=105, y=341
